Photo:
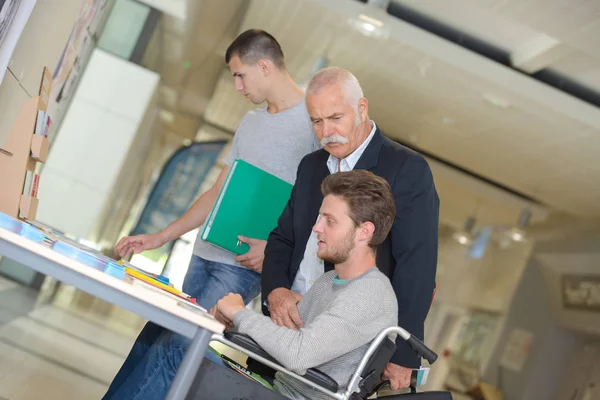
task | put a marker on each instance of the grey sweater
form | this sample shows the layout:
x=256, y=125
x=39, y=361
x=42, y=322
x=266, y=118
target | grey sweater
x=341, y=318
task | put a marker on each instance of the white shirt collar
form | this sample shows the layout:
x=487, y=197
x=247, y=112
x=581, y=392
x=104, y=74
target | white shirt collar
x=348, y=163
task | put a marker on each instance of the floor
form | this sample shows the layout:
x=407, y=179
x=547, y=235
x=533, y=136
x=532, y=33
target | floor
x=60, y=343
x=67, y=348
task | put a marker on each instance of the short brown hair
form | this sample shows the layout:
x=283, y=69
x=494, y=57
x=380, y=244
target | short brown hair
x=252, y=45
x=369, y=198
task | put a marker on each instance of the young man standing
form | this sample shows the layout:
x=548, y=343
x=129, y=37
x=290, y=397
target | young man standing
x=345, y=308
x=274, y=138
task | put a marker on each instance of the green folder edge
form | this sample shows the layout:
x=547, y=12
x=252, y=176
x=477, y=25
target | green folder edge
x=243, y=248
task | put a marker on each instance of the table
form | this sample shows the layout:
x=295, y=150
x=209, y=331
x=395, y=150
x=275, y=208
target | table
x=160, y=308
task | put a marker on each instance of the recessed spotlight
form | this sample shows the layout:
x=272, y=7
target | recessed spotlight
x=461, y=238
x=517, y=236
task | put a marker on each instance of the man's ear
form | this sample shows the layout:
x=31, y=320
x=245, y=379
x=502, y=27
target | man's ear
x=265, y=66
x=366, y=231
x=363, y=108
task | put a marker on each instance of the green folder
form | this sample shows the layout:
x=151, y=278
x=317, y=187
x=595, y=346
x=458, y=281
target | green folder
x=249, y=204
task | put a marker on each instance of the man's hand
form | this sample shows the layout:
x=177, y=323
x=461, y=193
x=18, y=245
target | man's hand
x=227, y=307
x=283, y=308
x=221, y=318
x=398, y=376
x=136, y=244
x=253, y=259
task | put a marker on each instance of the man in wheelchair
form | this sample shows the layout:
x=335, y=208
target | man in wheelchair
x=346, y=308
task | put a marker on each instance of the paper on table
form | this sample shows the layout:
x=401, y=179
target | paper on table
x=177, y=300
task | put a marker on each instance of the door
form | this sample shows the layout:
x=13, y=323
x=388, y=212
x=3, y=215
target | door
x=582, y=375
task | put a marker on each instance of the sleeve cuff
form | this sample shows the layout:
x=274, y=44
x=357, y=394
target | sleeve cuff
x=405, y=356
x=242, y=316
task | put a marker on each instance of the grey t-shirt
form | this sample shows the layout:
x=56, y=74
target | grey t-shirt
x=275, y=143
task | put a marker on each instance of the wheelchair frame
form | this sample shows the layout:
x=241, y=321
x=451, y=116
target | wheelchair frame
x=354, y=383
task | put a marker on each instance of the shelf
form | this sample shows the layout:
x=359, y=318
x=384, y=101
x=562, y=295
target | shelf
x=28, y=206
x=20, y=153
x=39, y=148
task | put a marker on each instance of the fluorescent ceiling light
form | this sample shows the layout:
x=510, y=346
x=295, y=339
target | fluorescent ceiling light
x=371, y=21
x=369, y=26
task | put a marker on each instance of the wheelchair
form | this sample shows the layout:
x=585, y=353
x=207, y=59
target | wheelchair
x=215, y=382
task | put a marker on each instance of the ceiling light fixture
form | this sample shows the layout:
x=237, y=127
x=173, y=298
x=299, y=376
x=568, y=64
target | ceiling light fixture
x=369, y=26
x=518, y=233
x=465, y=236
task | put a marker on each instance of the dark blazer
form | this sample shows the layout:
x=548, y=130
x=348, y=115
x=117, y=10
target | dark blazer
x=408, y=255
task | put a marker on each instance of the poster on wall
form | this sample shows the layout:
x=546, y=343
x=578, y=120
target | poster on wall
x=14, y=15
x=474, y=338
x=517, y=349
x=8, y=10
x=174, y=192
x=73, y=59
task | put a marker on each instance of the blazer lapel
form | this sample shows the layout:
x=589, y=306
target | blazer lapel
x=369, y=158
x=320, y=174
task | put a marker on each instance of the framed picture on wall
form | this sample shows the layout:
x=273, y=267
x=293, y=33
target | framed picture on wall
x=581, y=292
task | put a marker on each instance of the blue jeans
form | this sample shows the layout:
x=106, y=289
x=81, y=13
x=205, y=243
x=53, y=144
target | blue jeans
x=151, y=365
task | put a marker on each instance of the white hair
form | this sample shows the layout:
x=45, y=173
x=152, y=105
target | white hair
x=338, y=76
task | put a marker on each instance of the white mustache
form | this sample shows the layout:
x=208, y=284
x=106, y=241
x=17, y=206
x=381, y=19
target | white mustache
x=333, y=139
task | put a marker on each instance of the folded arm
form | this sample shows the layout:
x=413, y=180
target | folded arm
x=351, y=322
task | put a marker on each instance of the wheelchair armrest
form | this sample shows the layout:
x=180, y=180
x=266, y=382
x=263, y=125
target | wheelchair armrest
x=247, y=342
x=321, y=379
x=312, y=374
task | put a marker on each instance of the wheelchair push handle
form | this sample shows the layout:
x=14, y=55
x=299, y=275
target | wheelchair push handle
x=422, y=349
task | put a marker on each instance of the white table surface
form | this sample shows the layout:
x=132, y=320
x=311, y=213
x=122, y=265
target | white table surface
x=153, y=297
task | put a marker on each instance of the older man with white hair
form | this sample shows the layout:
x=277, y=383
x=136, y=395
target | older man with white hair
x=351, y=140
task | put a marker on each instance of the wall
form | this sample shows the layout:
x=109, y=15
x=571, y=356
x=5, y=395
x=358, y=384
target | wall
x=487, y=283
x=551, y=348
x=130, y=181
x=95, y=139
x=537, y=308
x=577, y=255
x=40, y=44
x=465, y=286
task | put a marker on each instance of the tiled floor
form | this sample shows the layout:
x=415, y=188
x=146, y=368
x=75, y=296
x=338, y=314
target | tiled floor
x=67, y=349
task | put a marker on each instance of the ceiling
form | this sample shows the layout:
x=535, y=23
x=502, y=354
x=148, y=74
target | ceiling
x=571, y=29
x=455, y=106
